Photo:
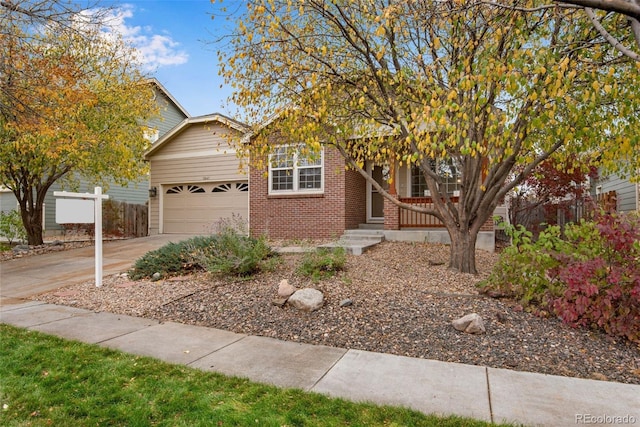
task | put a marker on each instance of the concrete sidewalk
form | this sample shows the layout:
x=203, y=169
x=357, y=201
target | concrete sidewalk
x=496, y=395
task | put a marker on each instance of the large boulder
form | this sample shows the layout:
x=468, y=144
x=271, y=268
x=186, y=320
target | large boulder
x=307, y=299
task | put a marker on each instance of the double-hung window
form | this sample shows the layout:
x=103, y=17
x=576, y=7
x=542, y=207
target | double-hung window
x=449, y=178
x=292, y=170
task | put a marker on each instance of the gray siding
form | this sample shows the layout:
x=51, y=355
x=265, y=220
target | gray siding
x=8, y=201
x=626, y=191
x=171, y=115
x=134, y=192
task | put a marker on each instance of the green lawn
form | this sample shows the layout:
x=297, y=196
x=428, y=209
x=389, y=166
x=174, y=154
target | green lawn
x=48, y=381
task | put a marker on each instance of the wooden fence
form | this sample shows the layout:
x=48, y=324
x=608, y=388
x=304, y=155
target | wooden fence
x=125, y=219
x=119, y=219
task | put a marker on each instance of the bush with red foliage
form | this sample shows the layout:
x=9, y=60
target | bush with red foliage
x=603, y=287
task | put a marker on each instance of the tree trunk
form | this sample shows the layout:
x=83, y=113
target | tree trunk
x=32, y=220
x=463, y=250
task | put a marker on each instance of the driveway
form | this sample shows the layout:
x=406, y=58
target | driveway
x=24, y=277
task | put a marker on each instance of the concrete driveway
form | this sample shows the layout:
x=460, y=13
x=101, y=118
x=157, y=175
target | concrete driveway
x=24, y=277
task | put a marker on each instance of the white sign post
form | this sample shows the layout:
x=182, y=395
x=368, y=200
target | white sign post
x=87, y=210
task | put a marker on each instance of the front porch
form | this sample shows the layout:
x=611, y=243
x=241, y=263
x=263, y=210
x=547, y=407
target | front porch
x=405, y=225
x=428, y=234
x=409, y=226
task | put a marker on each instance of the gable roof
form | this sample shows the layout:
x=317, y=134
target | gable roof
x=155, y=82
x=209, y=118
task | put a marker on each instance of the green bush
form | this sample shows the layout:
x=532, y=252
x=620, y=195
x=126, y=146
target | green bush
x=227, y=252
x=322, y=263
x=11, y=227
x=171, y=259
x=232, y=253
x=525, y=269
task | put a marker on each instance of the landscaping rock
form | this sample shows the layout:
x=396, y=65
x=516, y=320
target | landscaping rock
x=470, y=324
x=279, y=302
x=156, y=277
x=346, y=302
x=307, y=299
x=285, y=290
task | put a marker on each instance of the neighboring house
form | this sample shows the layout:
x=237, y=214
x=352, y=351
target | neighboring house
x=627, y=194
x=297, y=197
x=7, y=200
x=137, y=192
x=195, y=176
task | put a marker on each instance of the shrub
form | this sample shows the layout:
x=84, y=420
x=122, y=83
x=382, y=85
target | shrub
x=11, y=227
x=171, y=259
x=590, y=277
x=322, y=263
x=232, y=253
x=526, y=269
x=603, y=288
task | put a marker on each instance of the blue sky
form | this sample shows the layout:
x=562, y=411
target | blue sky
x=174, y=37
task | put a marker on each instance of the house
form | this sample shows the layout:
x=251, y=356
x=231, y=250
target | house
x=297, y=196
x=195, y=176
x=621, y=192
x=137, y=192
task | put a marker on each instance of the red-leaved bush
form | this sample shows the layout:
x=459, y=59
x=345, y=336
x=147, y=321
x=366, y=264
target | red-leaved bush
x=603, y=281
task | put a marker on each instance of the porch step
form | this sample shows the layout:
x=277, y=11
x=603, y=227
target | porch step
x=357, y=242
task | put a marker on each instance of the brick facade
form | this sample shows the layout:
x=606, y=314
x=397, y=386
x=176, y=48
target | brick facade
x=489, y=225
x=314, y=216
x=391, y=215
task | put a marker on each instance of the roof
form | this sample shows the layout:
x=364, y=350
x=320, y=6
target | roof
x=209, y=118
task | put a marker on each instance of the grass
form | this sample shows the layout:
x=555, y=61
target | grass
x=46, y=381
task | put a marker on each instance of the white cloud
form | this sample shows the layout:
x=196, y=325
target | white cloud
x=155, y=50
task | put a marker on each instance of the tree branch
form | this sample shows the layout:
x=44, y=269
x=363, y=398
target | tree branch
x=609, y=38
x=528, y=9
x=624, y=7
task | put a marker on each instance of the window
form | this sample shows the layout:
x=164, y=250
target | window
x=450, y=179
x=290, y=170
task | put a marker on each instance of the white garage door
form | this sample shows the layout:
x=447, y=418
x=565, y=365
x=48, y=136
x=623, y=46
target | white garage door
x=195, y=208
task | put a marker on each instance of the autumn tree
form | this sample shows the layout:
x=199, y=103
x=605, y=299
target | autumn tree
x=553, y=186
x=73, y=105
x=614, y=13
x=608, y=17
x=482, y=88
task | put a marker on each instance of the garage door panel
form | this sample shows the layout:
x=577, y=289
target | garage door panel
x=195, y=208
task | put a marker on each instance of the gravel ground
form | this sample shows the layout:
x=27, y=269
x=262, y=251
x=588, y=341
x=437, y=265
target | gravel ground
x=23, y=252
x=404, y=299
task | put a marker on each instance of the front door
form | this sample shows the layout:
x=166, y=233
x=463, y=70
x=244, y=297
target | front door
x=375, y=200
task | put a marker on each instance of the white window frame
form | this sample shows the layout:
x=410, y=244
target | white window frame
x=296, y=175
